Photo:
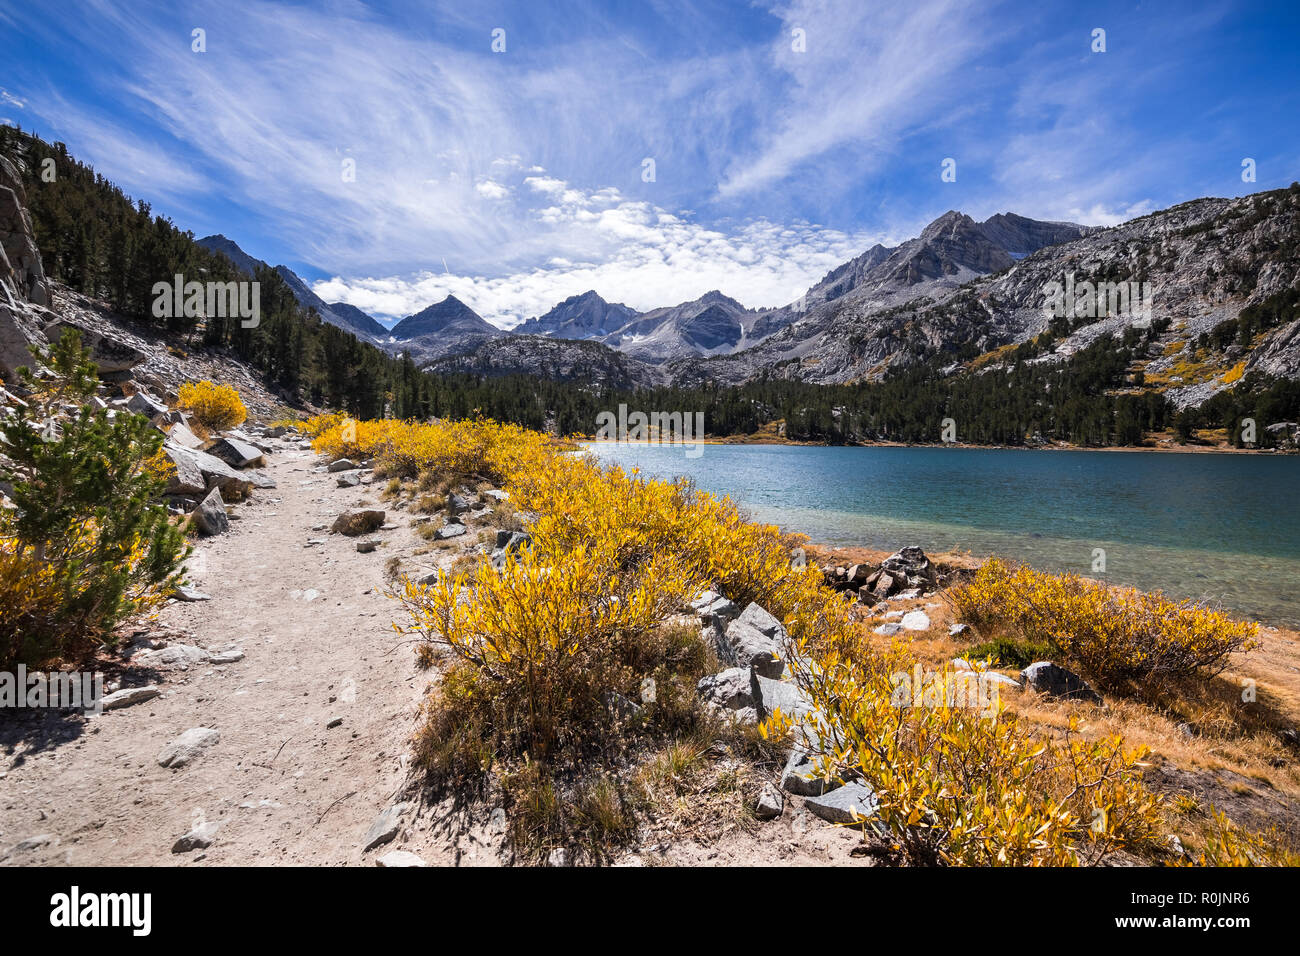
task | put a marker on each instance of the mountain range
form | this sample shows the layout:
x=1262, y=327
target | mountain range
x=960, y=285
x=950, y=250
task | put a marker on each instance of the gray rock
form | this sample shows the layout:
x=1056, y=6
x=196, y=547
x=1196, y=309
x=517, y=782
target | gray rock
x=782, y=694
x=19, y=327
x=210, y=516
x=399, y=858
x=236, y=453
x=188, y=478
x=188, y=747
x=341, y=464
x=958, y=629
x=622, y=707
x=558, y=857
x=365, y=547
x=800, y=776
x=916, y=621
x=142, y=403
x=713, y=636
x=993, y=677
x=733, y=689
x=110, y=354
x=449, y=531
x=128, y=696
x=199, y=838
x=226, y=657
x=770, y=803
x=1056, y=681
x=385, y=827
x=758, y=640
x=498, y=494
x=34, y=842
x=847, y=804
x=176, y=654
x=458, y=503
x=711, y=605
x=215, y=472
x=189, y=594
x=889, y=630
x=349, y=479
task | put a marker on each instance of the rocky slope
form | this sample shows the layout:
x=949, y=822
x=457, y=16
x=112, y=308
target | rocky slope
x=561, y=360
x=1205, y=261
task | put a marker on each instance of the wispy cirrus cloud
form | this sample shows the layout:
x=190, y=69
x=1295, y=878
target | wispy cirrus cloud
x=522, y=171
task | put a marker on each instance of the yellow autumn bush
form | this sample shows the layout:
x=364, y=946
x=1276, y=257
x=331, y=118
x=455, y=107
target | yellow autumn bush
x=1116, y=635
x=958, y=780
x=544, y=646
x=217, y=407
x=462, y=449
x=544, y=651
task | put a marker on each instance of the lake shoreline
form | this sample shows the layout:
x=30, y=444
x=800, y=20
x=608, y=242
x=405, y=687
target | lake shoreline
x=1198, y=527
x=766, y=443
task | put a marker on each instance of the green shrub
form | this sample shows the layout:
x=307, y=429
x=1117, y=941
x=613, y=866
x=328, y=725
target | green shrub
x=83, y=548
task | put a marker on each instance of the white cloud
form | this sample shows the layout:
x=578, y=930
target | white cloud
x=492, y=190
x=643, y=256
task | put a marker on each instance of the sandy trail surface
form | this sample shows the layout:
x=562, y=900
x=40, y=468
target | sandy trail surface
x=283, y=785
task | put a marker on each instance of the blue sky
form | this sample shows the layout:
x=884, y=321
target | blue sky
x=514, y=179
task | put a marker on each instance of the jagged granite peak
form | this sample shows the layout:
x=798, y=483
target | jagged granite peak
x=712, y=324
x=950, y=225
x=582, y=316
x=448, y=318
x=1021, y=236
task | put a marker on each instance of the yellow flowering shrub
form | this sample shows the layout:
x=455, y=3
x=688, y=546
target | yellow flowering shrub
x=1230, y=845
x=216, y=407
x=1116, y=635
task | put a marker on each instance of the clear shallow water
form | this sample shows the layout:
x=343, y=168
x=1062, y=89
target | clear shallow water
x=1222, y=527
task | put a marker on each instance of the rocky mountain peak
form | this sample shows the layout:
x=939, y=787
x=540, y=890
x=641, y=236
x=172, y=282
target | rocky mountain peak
x=950, y=225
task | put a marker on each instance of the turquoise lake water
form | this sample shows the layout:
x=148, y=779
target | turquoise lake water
x=1219, y=527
